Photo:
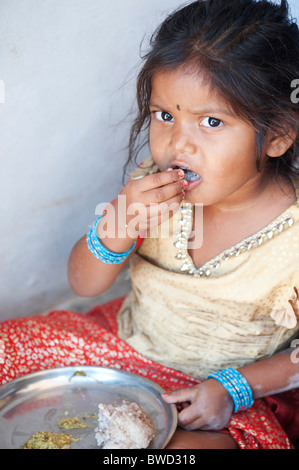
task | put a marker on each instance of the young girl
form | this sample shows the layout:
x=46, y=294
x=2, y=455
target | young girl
x=213, y=250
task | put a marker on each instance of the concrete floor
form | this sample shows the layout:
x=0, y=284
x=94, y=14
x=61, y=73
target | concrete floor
x=75, y=303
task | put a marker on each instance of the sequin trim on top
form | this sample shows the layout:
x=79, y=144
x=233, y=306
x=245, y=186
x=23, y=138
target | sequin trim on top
x=264, y=235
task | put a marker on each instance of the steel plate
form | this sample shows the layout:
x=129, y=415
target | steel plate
x=37, y=402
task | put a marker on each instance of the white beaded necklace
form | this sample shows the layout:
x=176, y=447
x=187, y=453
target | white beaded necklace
x=247, y=244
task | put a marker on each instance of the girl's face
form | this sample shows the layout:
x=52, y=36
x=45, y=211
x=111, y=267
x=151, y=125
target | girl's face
x=192, y=127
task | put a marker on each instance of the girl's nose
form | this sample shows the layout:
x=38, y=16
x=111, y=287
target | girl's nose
x=183, y=141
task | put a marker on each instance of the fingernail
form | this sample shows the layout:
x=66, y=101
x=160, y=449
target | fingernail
x=181, y=173
x=183, y=194
x=185, y=183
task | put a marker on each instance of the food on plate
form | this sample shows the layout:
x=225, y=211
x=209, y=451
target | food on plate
x=123, y=426
x=71, y=423
x=49, y=440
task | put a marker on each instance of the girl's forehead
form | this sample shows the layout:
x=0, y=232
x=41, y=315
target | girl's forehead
x=188, y=88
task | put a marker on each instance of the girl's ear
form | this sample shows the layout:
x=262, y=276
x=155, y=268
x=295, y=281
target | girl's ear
x=278, y=144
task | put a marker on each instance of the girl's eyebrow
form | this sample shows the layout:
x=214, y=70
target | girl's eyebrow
x=201, y=111
x=211, y=111
x=154, y=105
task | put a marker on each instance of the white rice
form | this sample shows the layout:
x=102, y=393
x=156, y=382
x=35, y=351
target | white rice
x=124, y=426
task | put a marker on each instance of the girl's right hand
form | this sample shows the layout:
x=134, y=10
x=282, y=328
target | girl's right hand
x=155, y=198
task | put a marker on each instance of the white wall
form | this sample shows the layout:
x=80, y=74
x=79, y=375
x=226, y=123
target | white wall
x=294, y=4
x=69, y=69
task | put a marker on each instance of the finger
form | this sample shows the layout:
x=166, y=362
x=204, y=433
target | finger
x=160, y=179
x=153, y=215
x=155, y=188
x=196, y=417
x=182, y=406
x=212, y=423
x=164, y=193
x=179, y=396
x=195, y=425
x=165, y=208
x=190, y=416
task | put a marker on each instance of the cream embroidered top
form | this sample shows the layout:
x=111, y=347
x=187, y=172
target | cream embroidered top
x=241, y=306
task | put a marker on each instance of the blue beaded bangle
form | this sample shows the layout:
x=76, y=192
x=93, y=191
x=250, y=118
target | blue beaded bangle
x=100, y=252
x=237, y=386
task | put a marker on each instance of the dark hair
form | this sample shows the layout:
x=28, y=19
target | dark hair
x=249, y=52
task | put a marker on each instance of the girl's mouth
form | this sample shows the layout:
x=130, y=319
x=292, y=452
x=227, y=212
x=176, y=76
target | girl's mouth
x=190, y=175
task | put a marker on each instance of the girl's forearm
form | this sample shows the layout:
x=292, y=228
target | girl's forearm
x=273, y=375
x=89, y=276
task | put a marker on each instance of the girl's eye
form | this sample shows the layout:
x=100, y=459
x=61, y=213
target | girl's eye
x=211, y=122
x=163, y=116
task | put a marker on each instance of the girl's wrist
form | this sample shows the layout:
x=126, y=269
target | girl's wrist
x=112, y=228
x=112, y=254
x=113, y=237
x=237, y=387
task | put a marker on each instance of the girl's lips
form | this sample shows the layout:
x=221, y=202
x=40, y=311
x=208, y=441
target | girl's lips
x=192, y=184
x=190, y=175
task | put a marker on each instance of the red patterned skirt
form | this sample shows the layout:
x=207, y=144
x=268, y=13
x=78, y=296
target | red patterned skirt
x=63, y=338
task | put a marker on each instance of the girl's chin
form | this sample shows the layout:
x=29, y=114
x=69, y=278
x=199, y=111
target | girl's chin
x=189, y=193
